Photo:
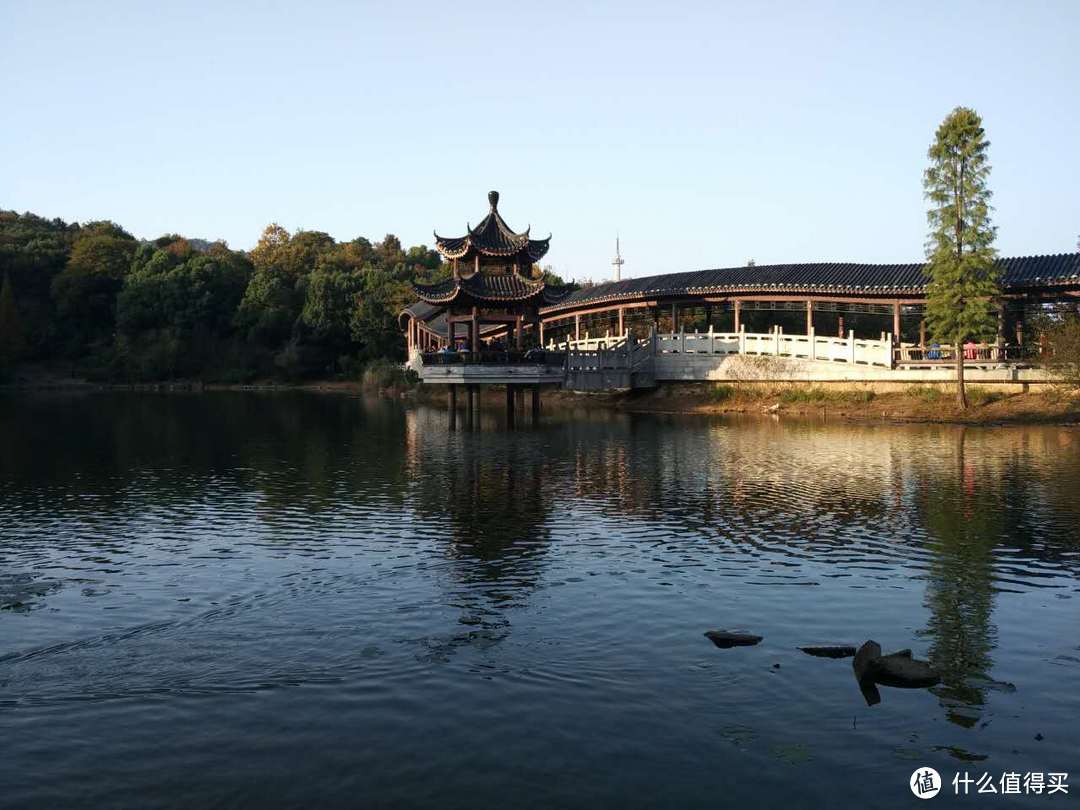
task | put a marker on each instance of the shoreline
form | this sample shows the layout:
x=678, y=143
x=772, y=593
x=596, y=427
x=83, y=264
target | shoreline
x=913, y=405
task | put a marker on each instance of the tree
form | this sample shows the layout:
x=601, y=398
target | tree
x=11, y=335
x=961, y=257
x=1064, y=340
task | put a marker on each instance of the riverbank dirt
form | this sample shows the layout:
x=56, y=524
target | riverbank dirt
x=911, y=403
x=915, y=403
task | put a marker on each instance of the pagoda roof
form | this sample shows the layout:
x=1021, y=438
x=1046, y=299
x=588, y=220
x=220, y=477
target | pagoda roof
x=488, y=289
x=493, y=237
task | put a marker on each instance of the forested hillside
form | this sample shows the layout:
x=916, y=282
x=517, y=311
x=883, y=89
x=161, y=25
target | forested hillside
x=91, y=300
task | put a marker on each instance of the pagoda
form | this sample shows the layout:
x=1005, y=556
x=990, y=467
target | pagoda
x=493, y=282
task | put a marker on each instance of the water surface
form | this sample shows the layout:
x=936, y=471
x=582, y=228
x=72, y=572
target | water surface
x=316, y=600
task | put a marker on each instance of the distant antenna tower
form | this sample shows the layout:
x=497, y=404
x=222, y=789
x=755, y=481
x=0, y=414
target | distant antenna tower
x=618, y=261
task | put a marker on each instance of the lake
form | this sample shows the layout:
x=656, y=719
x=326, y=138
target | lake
x=300, y=599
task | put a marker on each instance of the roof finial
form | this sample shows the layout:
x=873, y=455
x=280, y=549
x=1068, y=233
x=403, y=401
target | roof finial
x=493, y=198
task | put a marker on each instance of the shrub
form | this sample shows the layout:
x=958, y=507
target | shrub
x=1064, y=341
x=978, y=395
x=721, y=393
x=927, y=393
x=819, y=396
x=381, y=374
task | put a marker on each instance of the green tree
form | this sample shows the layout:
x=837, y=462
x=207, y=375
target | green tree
x=12, y=342
x=1063, y=337
x=85, y=292
x=174, y=314
x=963, y=273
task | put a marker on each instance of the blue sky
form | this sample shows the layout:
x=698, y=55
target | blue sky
x=705, y=134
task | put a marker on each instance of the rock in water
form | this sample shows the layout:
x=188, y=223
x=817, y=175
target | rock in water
x=868, y=652
x=725, y=639
x=901, y=670
x=841, y=651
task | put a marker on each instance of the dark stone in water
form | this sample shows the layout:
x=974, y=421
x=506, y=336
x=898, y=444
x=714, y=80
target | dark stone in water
x=868, y=652
x=897, y=669
x=725, y=639
x=841, y=651
x=901, y=670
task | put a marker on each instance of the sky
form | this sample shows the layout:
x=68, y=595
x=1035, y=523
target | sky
x=703, y=134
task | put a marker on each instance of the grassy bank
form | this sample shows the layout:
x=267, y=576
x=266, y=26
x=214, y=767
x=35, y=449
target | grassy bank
x=916, y=403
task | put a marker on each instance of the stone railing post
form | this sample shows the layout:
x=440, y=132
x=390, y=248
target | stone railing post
x=812, y=354
x=742, y=338
x=776, y=339
x=851, y=346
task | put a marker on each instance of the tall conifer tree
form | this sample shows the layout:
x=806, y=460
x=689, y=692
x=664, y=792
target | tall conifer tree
x=961, y=299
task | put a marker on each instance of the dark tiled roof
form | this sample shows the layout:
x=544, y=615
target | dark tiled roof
x=485, y=287
x=840, y=278
x=493, y=237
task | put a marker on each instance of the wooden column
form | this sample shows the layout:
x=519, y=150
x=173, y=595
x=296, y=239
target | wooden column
x=452, y=404
x=1000, y=330
x=577, y=327
x=475, y=336
x=674, y=318
x=509, y=406
x=708, y=317
x=922, y=334
x=540, y=331
x=738, y=315
x=621, y=328
x=809, y=317
x=520, y=336
x=896, y=323
x=840, y=330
